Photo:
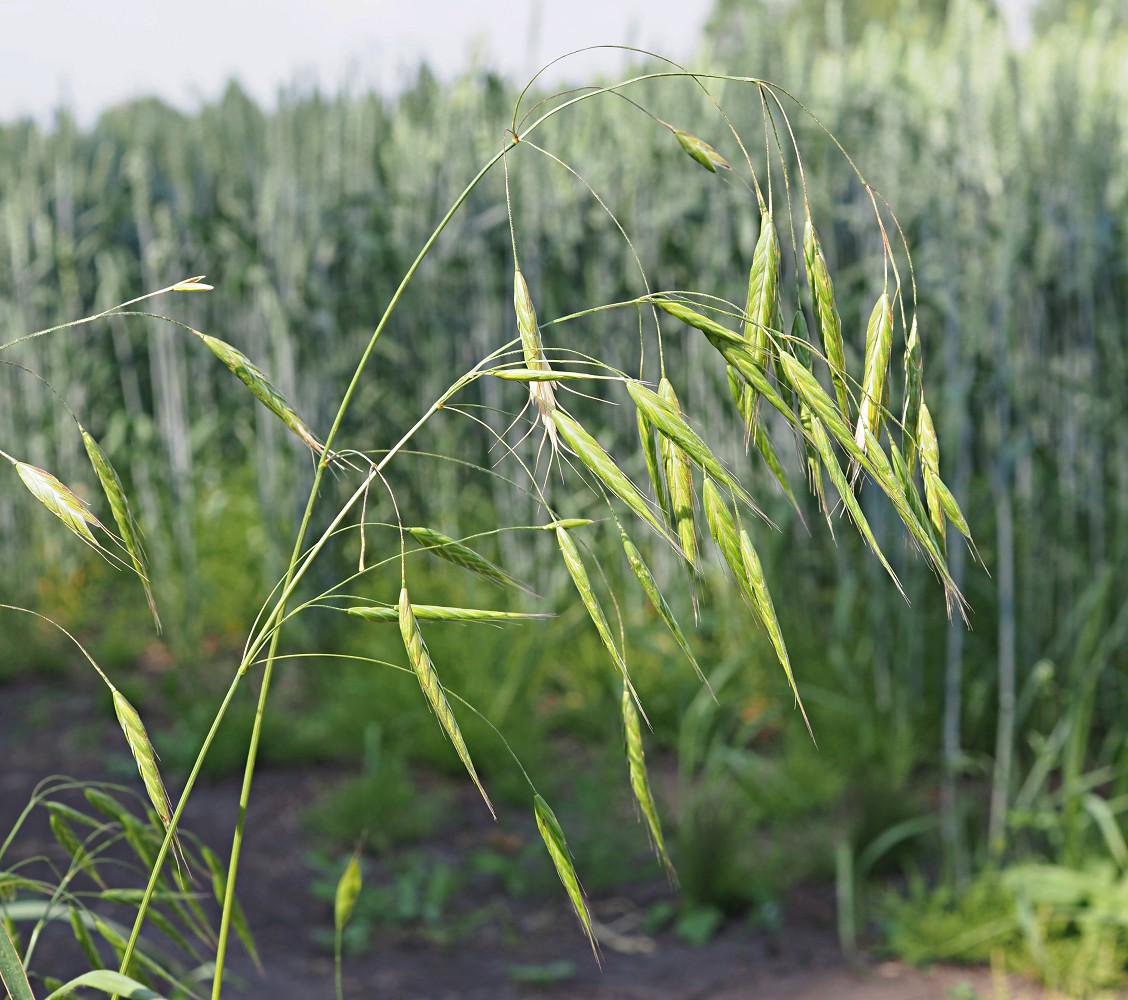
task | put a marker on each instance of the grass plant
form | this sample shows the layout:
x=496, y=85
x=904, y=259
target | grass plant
x=839, y=401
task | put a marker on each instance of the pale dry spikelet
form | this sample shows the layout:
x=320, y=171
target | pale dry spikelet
x=879, y=343
x=830, y=323
x=428, y=678
x=542, y=394
x=195, y=284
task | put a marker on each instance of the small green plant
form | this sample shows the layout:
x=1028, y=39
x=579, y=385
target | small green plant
x=852, y=424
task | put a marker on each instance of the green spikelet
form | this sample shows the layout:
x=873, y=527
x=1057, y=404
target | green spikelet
x=553, y=837
x=830, y=323
x=640, y=782
x=428, y=679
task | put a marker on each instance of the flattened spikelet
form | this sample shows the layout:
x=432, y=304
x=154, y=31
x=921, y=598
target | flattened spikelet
x=541, y=375
x=123, y=516
x=830, y=323
x=247, y=373
x=348, y=891
x=553, y=837
x=69, y=841
x=846, y=493
x=930, y=466
x=723, y=528
x=698, y=320
x=879, y=343
x=670, y=422
x=441, y=613
x=591, y=453
x=701, y=151
x=59, y=500
x=145, y=757
x=822, y=407
x=764, y=446
x=905, y=478
x=765, y=611
x=542, y=394
x=428, y=678
x=650, y=587
x=882, y=471
x=679, y=475
x=763, y=292
x=453, y=551
x=579, y=574
x=640, y=782
x=653, y=463
x=914, y=397
x=218, y=872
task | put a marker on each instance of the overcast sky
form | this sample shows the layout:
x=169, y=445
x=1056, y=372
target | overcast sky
x=89, y=55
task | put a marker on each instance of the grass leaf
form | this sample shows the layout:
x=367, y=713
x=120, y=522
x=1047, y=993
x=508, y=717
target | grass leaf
x=12, y=973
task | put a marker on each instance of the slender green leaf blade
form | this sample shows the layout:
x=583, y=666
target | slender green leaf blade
x=12, y=973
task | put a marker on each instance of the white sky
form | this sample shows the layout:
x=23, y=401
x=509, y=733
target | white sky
x=89, y=55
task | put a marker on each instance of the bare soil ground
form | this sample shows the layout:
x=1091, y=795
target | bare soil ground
x=45, y=731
